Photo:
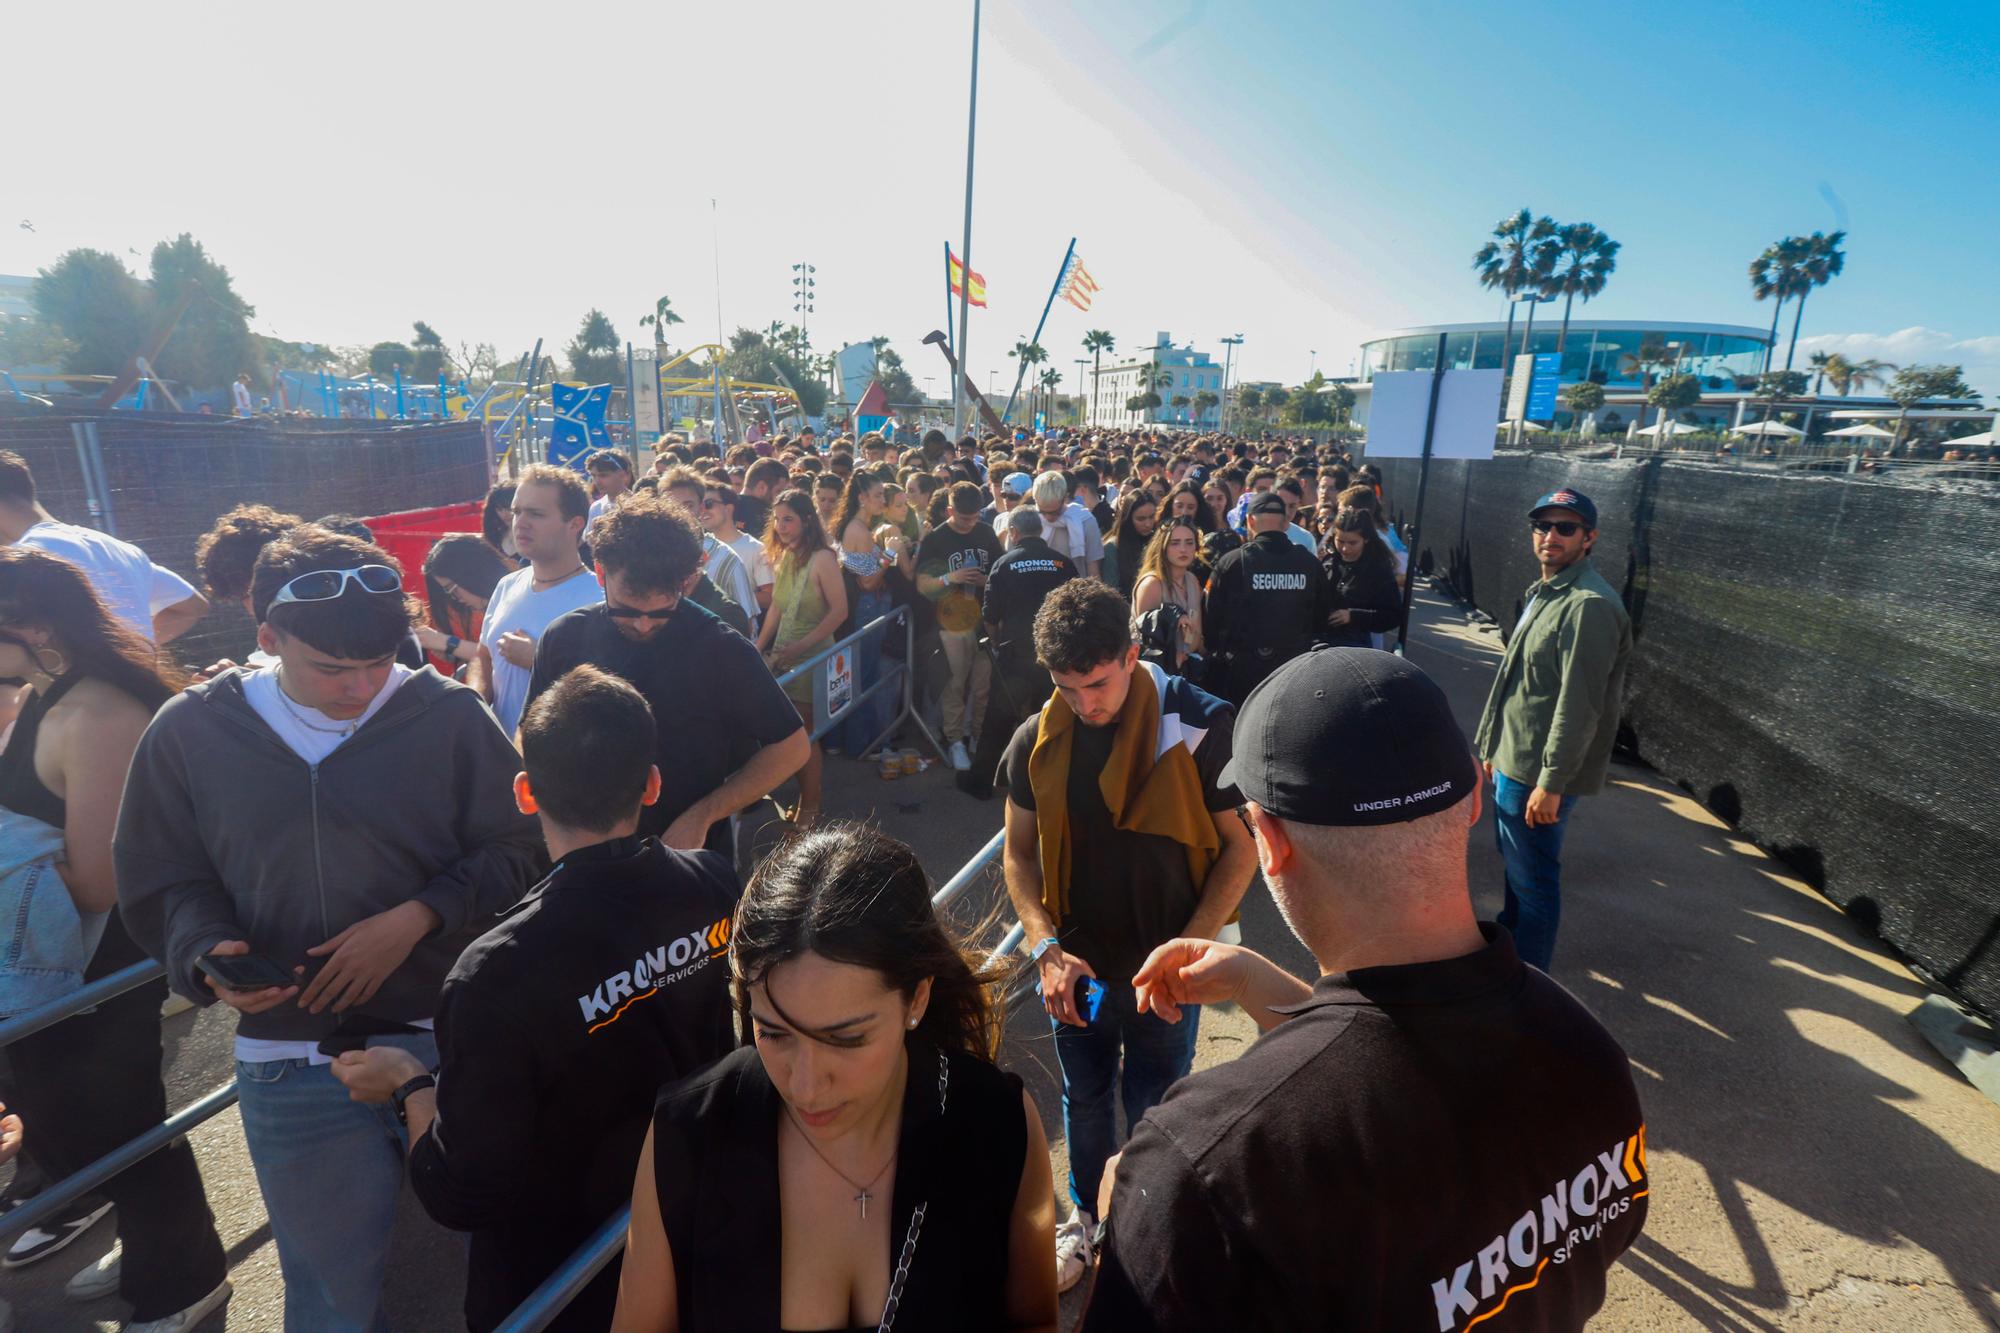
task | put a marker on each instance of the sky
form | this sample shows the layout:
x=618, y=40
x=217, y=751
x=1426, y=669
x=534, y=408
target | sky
x=1301, y=174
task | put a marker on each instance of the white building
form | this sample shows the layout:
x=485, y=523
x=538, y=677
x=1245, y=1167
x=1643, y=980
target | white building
x=1175, y=372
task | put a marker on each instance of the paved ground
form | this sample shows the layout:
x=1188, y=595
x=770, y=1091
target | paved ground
x=1815, y=1165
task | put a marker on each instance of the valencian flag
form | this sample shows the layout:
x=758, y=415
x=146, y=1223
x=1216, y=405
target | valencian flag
x=978, y=294
x=1076, y=285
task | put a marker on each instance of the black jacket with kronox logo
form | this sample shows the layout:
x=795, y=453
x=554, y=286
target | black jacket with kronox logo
x=1267, y=600
x=555, y=1032
x=1418, y=1148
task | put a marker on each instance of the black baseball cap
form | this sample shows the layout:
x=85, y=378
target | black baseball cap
x=1350, y=736
x=1267, y=502
x=1567, y=498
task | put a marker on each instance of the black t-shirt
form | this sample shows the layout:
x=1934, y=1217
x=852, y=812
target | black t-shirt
x=714, y=701
x=1128, y=892
x=1015, y=588
x=946, y=551
x=1418, y=1147
x=555, y=1031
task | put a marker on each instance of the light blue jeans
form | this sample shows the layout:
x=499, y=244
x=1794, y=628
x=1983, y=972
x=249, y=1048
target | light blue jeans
x=1532, y=858
x=330, y=1169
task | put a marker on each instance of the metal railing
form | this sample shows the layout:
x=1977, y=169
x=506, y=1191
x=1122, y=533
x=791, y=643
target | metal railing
x=52, y=1202
x=827, y=714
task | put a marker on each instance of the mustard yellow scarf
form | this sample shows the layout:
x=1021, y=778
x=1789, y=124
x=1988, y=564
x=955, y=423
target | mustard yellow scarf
x=1145, y=791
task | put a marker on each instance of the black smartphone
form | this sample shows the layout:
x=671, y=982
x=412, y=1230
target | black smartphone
x=250, y=971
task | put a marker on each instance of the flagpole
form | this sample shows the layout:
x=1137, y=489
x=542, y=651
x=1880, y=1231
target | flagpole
x=947, y=328
x=965, y=251
x=1046, y=307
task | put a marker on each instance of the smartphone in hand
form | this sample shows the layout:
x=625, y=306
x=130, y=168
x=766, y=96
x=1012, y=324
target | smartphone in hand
x=250, y=971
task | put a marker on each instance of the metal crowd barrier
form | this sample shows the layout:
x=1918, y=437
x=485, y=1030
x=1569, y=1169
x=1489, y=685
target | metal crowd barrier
x=53, y=1201
x=829, y=711
x=547, y=1301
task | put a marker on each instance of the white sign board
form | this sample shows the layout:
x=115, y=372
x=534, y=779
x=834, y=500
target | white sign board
x=648, y=421
x=1517, y=388
x=1400, y=400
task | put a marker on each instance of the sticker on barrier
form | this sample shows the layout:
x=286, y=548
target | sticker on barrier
x=839, y=682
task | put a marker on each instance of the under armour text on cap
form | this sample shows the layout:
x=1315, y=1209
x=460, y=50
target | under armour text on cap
x=1571, y=499
x=1350, y=736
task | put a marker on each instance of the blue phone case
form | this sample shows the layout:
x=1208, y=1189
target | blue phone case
x=1093, y=999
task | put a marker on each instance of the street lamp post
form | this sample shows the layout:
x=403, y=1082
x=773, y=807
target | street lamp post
x=1231, y=343
x=1081, y=362
x=803, y=288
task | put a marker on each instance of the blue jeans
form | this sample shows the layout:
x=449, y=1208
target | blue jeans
x=866, y=722
x=330, y=1169
x=1157, y=1054
x=1533, y=861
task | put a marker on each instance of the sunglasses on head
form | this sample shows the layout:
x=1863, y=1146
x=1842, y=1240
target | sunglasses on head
x=323, y=585
x=1565, y=527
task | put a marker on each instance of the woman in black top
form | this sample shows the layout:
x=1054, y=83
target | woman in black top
x=92, y=1082
x=864, y=1165
x=1363, y=574
x=1132, y=526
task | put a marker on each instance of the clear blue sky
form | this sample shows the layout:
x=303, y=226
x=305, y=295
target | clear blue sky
x=1302, y=174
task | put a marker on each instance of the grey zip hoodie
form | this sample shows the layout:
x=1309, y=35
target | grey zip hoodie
x=225, y=833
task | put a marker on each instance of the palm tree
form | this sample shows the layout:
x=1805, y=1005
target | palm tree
x=1846, y=376
x=1823, y=262
x=1051, y=380
x=1520, y=255
x=1584, y=259
x=1203, y=401
x=1653, y=355
x=1819, y=362
x=1275, y=399
x=1775, y=275
x=1248, y=400
x=663, y=315
x=1181, y=401
x=1097, y=342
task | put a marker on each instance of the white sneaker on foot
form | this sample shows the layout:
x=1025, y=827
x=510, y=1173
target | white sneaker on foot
x=97, y=1280
x=186, y=1319
x=960, y=760
x=1073, y=1250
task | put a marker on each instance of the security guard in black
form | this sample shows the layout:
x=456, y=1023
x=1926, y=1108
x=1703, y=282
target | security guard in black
x=1017, y=585
x=1267, y=600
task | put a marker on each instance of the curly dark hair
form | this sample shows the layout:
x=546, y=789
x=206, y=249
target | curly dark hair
x=227, y=552
x=650, y=541
x=1082, y=624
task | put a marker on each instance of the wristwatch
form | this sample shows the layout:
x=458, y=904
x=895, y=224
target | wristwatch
x=1042, y=947
x=451, y=642
x=402, y=1094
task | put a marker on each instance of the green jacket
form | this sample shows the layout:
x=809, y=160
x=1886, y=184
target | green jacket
x=1552, y=715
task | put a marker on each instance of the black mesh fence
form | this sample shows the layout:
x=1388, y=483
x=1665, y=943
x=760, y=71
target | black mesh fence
x=171, y=476
x=1814, y=661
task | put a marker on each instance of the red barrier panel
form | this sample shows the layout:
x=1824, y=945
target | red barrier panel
x=410, y=534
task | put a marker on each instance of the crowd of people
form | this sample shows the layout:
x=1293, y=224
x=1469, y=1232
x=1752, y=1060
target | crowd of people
x=466, y=867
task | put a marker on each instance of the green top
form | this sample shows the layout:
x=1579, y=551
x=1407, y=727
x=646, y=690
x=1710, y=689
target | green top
x=1552, y=715
x=795, y=593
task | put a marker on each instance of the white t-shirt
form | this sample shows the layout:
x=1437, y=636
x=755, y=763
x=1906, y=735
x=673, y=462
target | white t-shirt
x=240, y=395
x=312, y=736
x=597, y=506
x=727, y=571
x=516, y=605
x=133, y=588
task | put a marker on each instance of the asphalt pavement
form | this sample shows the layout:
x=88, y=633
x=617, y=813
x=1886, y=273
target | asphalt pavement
x=1815, y=1164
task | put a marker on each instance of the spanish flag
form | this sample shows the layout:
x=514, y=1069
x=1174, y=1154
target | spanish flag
x=977, y=296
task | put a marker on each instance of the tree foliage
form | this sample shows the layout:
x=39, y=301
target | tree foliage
x=1913, y=385
x=594, y=355
x=385, y=359
x=430, y=360
x=752, y=356
x=212, y=344
x=1675, y=392
x=94, y=305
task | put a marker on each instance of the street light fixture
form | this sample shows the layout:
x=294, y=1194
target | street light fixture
x=804, y=288
x=1232, y=342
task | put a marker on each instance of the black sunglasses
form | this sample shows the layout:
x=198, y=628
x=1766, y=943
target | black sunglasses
x=1563, y=526
x=662, y=615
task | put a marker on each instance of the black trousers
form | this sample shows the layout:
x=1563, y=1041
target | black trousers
x=91, y=1083
x=1018, y=692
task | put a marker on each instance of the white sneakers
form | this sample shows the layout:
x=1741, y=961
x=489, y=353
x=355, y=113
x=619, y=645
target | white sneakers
x=1073, y=1250
x=98, y=1280
x=960, y=760
x=186, y=1319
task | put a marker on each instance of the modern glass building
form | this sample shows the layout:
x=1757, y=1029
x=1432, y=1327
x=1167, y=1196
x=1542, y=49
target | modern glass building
x=1726, y=357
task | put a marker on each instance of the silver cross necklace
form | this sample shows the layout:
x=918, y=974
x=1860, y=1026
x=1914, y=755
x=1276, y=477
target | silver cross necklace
x=862, y=1195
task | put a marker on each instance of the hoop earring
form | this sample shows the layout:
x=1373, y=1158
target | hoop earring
x=61, y=666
